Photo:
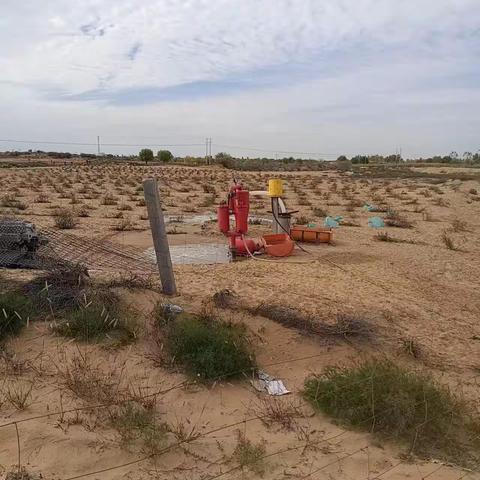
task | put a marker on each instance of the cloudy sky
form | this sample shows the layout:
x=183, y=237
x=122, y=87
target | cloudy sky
x=324, y=77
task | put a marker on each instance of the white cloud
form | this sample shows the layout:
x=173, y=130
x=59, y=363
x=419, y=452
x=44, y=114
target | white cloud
x=320, y=74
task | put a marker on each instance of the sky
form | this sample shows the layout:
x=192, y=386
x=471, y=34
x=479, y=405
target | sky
x=307, y=78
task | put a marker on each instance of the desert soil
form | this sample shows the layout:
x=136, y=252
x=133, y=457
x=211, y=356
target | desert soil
x=414, y=292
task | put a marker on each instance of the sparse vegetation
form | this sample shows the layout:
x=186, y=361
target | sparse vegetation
x=459, y=225
x=139, y=427
x=382, y=397
x=394, y=219
x=320, y=212
x=279, y=411
x=302, y=220
x=94, y=321
x=60, y=290
x=344, y=325
x=448, y=241
x=207, y=347
x=15, y=311
x=386, y=237
x=109, y=199
x=18, y=394
x=249, y=455
x=90, y=380
x=124, y=225
x=65, y=219
x=23, y=474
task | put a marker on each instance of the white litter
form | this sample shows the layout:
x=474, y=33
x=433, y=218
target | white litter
x=273, y=386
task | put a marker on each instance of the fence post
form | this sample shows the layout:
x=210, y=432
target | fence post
x=159, y=235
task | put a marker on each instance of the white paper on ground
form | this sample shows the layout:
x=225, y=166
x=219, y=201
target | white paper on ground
x=272, y=385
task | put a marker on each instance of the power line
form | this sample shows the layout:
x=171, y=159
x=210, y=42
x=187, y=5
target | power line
x=257, y=149
x=43, y=142
x=208, y=144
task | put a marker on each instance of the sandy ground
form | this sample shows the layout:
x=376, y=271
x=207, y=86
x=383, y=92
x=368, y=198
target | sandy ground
x=418, y=291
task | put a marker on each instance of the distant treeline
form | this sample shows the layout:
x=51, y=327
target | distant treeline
x=259, y=164
x=63, y=155
x=453, y=157
x=265, y=164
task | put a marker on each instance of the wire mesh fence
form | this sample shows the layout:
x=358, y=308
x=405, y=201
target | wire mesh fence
x=21, y=246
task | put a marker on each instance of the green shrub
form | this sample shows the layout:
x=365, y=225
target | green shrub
x=94, y=321
x=384, y=398
x=208, y=348
x=15, y=309
x=137, y=425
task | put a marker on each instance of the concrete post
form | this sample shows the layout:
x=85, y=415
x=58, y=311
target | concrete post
x=159, y=236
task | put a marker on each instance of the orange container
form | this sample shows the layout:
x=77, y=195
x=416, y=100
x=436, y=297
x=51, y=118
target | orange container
x=278, y=245
x=302, y=233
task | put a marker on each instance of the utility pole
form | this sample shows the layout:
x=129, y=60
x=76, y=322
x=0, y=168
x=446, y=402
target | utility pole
x=98, y=144
x=159, y=236
x=208, y=150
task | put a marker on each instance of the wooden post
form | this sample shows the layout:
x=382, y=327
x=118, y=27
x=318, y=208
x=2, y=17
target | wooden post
x=159, y=235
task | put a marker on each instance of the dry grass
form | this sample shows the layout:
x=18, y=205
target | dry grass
x=139, y=427
x=448, y=241
x=124, y=225
x=386, y=237
x=18, y=394
x=279, y=411
x=90, y=379
x=65, y=219
x=344, y=325
x=23, y=474
x=249, y=456
x=459, y=225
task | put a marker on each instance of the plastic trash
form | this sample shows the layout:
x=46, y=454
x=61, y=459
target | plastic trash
x=170, y=311
x=171, y=308
x=368, y=207
x=269, y=384
x=376, y=222
x=331, y=222
x=311, y=225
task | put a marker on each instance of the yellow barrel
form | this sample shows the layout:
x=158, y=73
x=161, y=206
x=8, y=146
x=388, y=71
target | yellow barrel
x=275, y=187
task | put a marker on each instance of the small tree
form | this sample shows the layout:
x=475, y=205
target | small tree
x=165, y=155
x=224, y=159
x=220, y=156
x=146, y=155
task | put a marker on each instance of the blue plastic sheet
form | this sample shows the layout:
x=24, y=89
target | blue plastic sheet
x=376, y=222
x=332, y=222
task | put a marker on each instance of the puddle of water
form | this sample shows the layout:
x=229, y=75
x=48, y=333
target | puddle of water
x=210, y=217
x=194, y=220
x=196, y=254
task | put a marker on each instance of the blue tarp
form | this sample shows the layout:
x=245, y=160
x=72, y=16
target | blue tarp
x=333, y=222
x=376, y=222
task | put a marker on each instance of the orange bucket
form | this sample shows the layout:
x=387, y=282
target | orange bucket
x=302, y=233
x=278, y=245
